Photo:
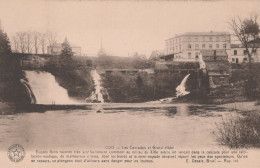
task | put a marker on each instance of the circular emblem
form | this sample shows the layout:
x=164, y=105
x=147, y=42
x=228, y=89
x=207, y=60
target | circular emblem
x=16, y=153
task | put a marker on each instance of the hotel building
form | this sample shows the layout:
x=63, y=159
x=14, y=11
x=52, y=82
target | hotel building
x=186, y=47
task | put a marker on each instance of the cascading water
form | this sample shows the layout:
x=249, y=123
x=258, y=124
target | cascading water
x=96, y=95
x=181, y=89
x=46, y=89
x=28, y=90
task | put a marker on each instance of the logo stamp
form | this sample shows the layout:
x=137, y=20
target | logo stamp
x=16, y=153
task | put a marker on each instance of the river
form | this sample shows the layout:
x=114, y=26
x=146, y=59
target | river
x=180, y=125
x=151, y=123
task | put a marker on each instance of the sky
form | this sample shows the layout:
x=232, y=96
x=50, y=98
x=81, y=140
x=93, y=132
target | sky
x=125, y=27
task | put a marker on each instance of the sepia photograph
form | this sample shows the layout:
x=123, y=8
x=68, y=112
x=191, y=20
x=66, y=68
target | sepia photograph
x=129, y=83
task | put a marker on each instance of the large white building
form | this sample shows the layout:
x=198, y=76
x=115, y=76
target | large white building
x=187, y=47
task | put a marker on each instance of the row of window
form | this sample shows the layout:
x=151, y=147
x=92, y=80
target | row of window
x=197, y=47
x=211, y=38
x=196, y=55
x=203, y=46
x=244, y=52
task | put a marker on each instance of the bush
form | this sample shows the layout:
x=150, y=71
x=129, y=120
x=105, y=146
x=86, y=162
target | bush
x=240, y=131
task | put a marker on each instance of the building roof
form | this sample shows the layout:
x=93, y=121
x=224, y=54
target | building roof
x=211, y=33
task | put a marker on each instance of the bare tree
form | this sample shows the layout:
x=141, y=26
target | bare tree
x=36, y=41
x=43, y=43
x=52, y=40
x=247, y=31
x=29, y=41
x=15, y=41
x=21, y=40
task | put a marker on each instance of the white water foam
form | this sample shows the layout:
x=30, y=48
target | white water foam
x=46, y=90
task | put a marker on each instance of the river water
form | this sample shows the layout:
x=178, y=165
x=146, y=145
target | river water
x=180, y=125
x=151, y=123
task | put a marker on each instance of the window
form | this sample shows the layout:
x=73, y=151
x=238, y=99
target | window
x=189, y=46
x=196, y=38
x=196, y=55
x=189, y=55
x=235, y=52
x=210, y=45
x=224, y=45
x=189, y=39
x=180, y=47
x=245, y=59
x=217, y=38
x=233, y=59
x=217, y=45
x=203, y=45
x=196, y=46
x=227, y=39
x=245, y=52
x=210, y=38
x=203, y=39
x=222, y=79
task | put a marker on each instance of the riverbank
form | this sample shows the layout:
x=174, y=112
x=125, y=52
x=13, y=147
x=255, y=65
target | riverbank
x=242, y=106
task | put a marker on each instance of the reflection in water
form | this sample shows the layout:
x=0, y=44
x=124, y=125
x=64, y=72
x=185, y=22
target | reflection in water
x=183, y=110
x=181, y=125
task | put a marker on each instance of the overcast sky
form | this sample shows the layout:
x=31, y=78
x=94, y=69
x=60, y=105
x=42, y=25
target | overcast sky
x=125, y=27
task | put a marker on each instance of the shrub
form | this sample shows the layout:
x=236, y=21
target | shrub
x=239, y=131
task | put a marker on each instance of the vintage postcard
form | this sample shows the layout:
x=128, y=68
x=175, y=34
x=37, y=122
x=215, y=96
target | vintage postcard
x=129, y=84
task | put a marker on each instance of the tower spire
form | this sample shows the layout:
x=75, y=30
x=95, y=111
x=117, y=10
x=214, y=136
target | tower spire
x=101, y=51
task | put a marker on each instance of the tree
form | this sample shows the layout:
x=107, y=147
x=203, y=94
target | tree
x=36, y=39
x=15, y=44
x=66, y=54
x=29, y=41
x=5, y=47
x=21, y=40
x=43, y=43
x=247, y=31
x=154, y=55
x=52, y=40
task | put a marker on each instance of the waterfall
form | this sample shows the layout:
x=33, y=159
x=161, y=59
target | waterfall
x=96, y=95
x=46, y=89
x=180, y=89
x=29, y=91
